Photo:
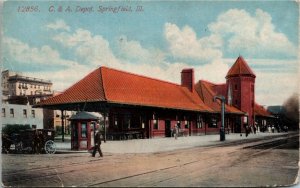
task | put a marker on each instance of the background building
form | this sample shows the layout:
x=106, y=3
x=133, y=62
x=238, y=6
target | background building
x=17, y=88
x=14, y=114
x=23, y=91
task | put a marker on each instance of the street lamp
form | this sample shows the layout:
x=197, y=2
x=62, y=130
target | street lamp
x=222, y=130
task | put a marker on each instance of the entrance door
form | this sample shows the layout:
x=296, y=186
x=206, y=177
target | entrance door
x=237, y=126
x=74, y=135
x=167, y=128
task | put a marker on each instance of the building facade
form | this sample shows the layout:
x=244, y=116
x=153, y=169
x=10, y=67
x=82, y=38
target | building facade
x=240, y=84
x=21, y=85
x=139, y=106
x=24, y=90
x=12, y=114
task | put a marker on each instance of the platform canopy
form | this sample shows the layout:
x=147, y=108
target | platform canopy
x=106, y=87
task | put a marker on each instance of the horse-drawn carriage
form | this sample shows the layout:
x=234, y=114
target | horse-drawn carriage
x=30, y=141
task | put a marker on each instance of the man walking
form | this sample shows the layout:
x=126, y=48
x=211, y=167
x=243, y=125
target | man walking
x=97, y=144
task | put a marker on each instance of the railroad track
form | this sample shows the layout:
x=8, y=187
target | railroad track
x=251, y=153
x=57, y=171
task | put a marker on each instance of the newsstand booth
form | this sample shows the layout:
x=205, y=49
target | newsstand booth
x=83, y=126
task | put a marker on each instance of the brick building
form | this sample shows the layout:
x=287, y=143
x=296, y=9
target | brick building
x=151, y=107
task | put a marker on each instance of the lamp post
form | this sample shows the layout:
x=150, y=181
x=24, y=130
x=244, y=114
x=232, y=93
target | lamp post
x=222, y=129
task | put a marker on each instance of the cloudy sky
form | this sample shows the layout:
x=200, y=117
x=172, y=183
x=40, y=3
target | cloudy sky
x=63, y=41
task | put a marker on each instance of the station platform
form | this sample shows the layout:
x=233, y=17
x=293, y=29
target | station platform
x=167, y=144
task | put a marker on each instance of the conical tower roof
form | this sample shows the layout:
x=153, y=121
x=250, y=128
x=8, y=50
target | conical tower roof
x=240, y=67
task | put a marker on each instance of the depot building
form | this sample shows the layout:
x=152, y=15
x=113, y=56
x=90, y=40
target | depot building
x=136, y=106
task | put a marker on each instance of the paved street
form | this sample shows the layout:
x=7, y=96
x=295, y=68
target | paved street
x=264, y=161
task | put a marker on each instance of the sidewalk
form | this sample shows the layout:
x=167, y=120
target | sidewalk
x=164, y=144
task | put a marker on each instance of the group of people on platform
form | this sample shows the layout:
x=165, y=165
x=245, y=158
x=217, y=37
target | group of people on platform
x=269, y=128
x=174, y=132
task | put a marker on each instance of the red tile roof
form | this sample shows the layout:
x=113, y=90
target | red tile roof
x=261, y=111
x=240, y=67
x=206, y=91
x=114, y=86
x=86, y=90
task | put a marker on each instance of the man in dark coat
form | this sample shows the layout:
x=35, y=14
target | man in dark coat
x=35, y=141
x=97, y=144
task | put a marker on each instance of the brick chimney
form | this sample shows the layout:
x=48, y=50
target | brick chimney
x=187, y=79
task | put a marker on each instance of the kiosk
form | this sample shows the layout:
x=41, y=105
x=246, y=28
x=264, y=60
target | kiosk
x=83, y=125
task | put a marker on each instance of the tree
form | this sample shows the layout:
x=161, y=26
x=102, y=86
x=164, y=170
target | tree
x=15, y=128
x=291, y=110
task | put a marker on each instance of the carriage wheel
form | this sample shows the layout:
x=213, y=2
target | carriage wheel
x=50, y=147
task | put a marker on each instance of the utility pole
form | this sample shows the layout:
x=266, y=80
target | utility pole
x=222, y=129
x=62, y=127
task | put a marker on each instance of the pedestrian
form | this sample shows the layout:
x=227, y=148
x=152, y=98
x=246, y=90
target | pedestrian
x=97, y=144
x=247, y=129
x=254, y=129
x=41, y=142
x=176, y=131
x=35, y=141
x=273, y=129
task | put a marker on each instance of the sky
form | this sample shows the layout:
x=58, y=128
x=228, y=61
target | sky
x=63, y=41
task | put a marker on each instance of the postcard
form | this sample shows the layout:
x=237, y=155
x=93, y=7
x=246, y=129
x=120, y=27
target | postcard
x=150, y=93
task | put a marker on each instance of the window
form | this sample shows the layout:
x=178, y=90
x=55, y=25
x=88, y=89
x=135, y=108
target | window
x=155, y=124
x=199, y=122
x=33, y=113
x=143, y=122
x=12, y=113
x=24, y=113
x=127, y=121
x=235, y=87
x=178, y=124
x=83, y=130
x=213, y=123
x=3, y=112
x=186, y=124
